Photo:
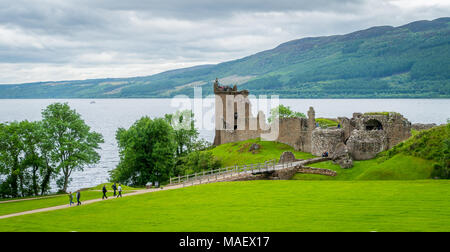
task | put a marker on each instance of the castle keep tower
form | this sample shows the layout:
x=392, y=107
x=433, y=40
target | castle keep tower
x=232, y=114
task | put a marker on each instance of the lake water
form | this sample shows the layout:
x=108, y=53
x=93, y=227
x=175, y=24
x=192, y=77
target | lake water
x=107, y=115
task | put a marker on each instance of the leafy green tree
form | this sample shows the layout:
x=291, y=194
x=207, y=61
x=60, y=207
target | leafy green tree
x=74, y=145
x=11, y=147
x=185, y=133
x=32, y=135
x=147, y=152
x=283, y=112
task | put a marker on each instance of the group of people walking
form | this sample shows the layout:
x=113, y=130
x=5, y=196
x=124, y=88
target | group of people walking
x=114, y=187
x=78, y=196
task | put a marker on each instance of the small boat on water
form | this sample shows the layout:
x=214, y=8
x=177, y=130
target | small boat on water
x=93, y=102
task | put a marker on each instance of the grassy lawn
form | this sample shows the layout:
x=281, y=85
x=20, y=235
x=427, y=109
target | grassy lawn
x=261, y=206
x=238, y=153
x=399, y=167
x=21, y=206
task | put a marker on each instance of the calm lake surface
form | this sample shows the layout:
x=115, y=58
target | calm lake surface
x=107, y=115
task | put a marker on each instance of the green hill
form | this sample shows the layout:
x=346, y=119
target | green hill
x=409, y=61
x=239, y=153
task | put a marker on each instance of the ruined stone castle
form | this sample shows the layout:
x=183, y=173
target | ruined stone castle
x=358, y=138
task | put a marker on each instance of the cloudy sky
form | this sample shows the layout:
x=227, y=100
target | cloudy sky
x=44, y=40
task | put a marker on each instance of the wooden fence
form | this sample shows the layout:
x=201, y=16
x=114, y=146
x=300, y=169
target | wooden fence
x=228, y=172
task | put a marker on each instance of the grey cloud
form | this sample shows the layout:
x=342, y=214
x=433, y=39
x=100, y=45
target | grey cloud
x=162, y=34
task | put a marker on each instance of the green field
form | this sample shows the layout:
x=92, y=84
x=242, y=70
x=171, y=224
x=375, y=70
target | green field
x=261, y=206
x=392, y=192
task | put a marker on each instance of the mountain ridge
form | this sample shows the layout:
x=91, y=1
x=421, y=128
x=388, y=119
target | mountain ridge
x=408, y=61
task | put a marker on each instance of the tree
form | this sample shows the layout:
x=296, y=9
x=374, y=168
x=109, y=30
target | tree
x=11, y=147
x=73, y=144
x=147, y=152
x=185, y=133
x=283, y=112
x=32, y=134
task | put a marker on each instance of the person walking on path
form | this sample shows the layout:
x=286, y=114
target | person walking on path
x=70, y=199
x=78, y=198
x=114, y=187
x=104, y=192
x=120, y=191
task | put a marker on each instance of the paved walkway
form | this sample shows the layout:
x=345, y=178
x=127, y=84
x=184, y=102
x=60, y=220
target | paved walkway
x=34, y=198
x=87, y=202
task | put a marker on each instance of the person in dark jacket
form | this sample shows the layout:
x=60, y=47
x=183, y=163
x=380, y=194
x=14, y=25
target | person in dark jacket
x=114, y=187
x=78, y=198
x=104, y=192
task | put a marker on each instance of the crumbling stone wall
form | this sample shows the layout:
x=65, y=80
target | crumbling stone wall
x=290, y=132
x=395, y=126
x=284, y=174
x=325, y=140
x=364, y=144
x=312, y=170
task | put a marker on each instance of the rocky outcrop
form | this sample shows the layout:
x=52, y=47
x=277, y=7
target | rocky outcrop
x=287, y=157
x=341, y=156
x=366, y=144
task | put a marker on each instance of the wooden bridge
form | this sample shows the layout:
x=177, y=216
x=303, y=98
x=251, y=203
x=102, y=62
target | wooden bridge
x=238, y=171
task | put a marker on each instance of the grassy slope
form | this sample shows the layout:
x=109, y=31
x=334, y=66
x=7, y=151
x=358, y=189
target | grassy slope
x=27, y=205
x=261, y=206
x=426, y=144
x=399, y=167
x=238, y=153
x=325, y=123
